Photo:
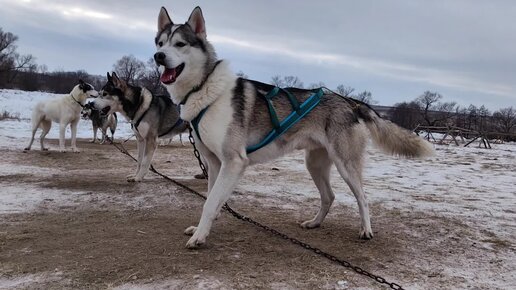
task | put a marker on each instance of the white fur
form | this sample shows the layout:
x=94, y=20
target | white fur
x=64, y=111
x=227, y=161
x=216, y=93
x=193, y=59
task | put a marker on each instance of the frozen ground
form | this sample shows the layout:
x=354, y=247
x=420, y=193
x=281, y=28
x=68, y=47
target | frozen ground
x=72, y=221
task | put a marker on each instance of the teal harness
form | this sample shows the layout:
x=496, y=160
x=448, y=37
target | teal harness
x=299, y=111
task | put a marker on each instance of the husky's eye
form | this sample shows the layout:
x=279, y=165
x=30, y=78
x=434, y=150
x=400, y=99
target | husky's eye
x=160, y=43
x=180, y=44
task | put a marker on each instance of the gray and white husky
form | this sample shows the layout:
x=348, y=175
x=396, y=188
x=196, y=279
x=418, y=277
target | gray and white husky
x=100, y=121
x=150, y=116
x=237, y=116
x=65, y=110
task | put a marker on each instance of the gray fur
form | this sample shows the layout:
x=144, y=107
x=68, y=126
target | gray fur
x=151, y=117
x=335, y=132
x=99, y=121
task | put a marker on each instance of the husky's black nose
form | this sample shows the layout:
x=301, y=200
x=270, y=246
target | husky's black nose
x=159, y=57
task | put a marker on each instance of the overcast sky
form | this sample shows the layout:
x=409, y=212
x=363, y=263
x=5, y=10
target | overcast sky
x=463, y=49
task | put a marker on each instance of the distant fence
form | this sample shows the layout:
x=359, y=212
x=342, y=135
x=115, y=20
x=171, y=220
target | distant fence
x=457, y=135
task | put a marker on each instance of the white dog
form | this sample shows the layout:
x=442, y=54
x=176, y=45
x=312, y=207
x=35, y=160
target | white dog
x=66, y=110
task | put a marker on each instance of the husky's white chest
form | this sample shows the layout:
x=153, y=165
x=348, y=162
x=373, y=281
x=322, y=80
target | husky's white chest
x=214, y=125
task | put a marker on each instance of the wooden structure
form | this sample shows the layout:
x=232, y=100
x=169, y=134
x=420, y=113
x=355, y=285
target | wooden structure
x=451, y=134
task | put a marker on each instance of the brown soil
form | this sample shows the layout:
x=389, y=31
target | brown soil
x=111, y=233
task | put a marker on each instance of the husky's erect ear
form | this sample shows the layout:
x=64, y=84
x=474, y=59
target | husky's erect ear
x=81, y=82
x=196, y=22
x=163, y=19
x=109, y=77
x=120, y=84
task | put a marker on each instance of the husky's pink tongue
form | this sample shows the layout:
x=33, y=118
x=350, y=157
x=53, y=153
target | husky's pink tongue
x=168, y=76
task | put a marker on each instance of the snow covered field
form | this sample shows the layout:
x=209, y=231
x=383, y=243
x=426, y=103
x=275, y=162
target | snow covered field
x=21, y=103
x=454, y=214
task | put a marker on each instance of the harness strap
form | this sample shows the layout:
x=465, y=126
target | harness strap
x=272, y=113
x=195, y=122
x=179, y=122
x=294, y=117
x=279, y=128
x=135, y=125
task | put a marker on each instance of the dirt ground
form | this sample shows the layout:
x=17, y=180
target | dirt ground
x=93, y=229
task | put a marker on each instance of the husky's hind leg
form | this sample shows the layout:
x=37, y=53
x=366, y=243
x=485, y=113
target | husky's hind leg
x=35, y=126
x=348, y=160
x=45, y=126
x=319, y=164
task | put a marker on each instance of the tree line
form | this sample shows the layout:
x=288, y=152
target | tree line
x=428, y=109
x=22, y=72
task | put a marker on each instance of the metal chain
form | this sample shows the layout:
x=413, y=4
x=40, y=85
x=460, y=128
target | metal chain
x=273, y=231
x=196, y=153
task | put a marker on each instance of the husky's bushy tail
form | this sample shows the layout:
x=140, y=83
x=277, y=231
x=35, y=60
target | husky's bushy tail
x=393, y=139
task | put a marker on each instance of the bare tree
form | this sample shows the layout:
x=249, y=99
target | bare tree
x=129, y=69
x=406, y=115
x=445, y=113
x=151, y=78
x=484, y=115
x=287, y=82
x=426, y=102
x=461, y=117
x=316, y=85
x=277, y=81
x=505, y=119
x=365, y=97
x=241, y=74
x=344, y=91
x=10, y=61
x=7, y=46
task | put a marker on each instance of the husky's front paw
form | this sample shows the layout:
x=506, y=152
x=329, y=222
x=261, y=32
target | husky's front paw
x=134, y=179
x=75, y=150
x=196, y=241
x=92, y=141
x=310, y=224
x=62, y=150
x=190, y=231
x=44, y=149
x=366, y=234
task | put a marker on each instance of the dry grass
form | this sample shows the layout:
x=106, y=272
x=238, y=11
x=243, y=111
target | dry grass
x=5, y=115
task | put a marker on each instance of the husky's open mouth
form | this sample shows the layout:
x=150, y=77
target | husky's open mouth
x=170, y=74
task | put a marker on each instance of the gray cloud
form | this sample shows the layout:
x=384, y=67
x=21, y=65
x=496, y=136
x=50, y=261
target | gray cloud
x=396, y=49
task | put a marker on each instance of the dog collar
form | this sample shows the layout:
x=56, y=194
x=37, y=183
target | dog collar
x=198, y=87
x=82, y=106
